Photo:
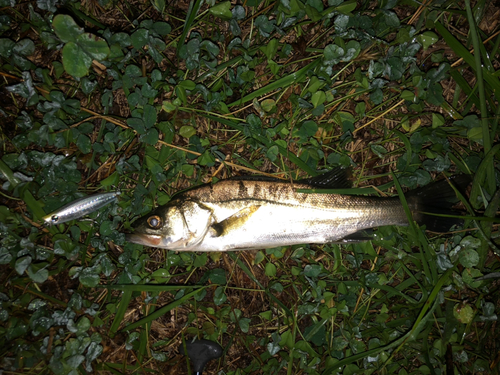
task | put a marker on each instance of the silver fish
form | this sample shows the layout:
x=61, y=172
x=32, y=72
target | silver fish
x=80, y=207
x=249, y=213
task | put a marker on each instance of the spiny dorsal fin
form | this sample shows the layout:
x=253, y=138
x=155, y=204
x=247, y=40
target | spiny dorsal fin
x=337, y=178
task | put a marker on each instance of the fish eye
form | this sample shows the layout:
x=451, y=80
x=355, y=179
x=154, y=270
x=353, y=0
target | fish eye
x=54, y=219
x=154, y=222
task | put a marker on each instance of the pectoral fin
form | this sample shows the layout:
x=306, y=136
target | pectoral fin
x=233, y=222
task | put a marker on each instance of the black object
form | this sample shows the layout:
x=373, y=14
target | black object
x=200, y=352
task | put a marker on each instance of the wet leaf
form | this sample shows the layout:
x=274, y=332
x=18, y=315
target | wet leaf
x=22, y=264
x=139, y=38
x=75, y=61
x=427, y=39
x=220, y=296
x=469, y=258
x=222, y=10
x=66, y=28
x=464, y=314
x=93, y=46
x=24, y=47
x=84, y=144
x=6, y=46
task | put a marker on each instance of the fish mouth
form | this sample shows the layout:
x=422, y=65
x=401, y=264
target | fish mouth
x=144, y=239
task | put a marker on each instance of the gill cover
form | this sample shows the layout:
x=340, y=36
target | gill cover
x=174, y=226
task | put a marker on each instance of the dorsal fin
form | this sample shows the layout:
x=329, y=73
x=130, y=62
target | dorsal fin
x=337, y=178
x=255, y=177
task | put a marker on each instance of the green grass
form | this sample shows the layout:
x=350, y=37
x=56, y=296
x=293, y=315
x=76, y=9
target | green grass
x=156, y=97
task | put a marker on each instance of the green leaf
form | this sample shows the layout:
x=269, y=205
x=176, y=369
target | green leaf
x=427, y=39
x=149, y=116
x=378, y=150
x=469, y=258
x=187, y=84
x=200, y=260
x=162, y=28
x=206, y=159
x=270, y=270
x=312, y=270
x=75, y=61
x=140, y=38
x=222, y=10
x=137, y=124
x=346, y=7
x=272, y=153
x=308, y=129
x=333, y=53
x=89, y=276
x=159, y=5
x=5, y=256
x=437, y=120
x=84, y=144
x=168, y=106
x=133, y=71
x=66, y=28
x=150, y=137
x=220, y=296
x=24, y=47
x=271, y=48
x=353, y=48
x=244, y=324
x=268, y=105
x=22, y=264
x=408, y=95
x=38, y=276
x=464, y=314
x=6, y=46
x=318, y=98
x=347, y=121
x=187, y=131
x=476, y=135
x=217, y=276
x=94, y=46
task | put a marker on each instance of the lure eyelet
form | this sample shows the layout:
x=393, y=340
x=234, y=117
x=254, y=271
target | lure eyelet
x=154, y=222
x=54, y=219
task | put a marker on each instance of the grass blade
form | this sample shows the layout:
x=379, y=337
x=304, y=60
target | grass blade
x=194, y=8
x=461, y=51
x=165, y=309
x=120, y=313
x=282, y=82
x=490, y=175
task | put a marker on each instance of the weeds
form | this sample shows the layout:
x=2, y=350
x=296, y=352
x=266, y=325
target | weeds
x=155, y=97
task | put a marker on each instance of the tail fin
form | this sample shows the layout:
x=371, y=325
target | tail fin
x=437, y=198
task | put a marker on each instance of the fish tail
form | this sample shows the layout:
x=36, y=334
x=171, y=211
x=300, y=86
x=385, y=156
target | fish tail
x=437, y=198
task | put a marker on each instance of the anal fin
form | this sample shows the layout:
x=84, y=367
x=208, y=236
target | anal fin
x=356, y=237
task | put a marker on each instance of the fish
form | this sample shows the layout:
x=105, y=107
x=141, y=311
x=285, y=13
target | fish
x=246, y=213
x=80, y=207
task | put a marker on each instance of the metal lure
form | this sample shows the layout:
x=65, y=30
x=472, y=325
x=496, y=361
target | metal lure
x=80, y=207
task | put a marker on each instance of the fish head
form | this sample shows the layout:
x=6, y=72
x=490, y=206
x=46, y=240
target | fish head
x=164, y=227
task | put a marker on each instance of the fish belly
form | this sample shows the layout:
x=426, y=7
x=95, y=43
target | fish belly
x=273, y=225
